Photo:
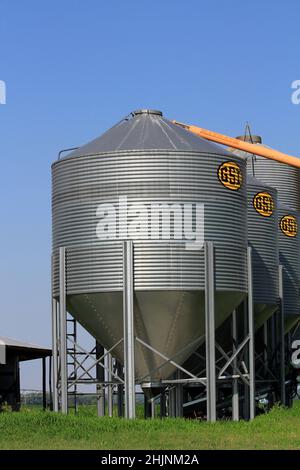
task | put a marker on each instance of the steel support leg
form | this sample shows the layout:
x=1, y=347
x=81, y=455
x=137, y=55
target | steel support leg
x=251, y=336
x=120, y=389
x=163, y=403
x=179, y=397
x=44, y=386
x=281, y=336
x=266, y=347
x=152, y=402
x=273, y=336
x=44, y=390
x=54, y=356
x=63, y=332
x=235, y=384
x=110, y=387
x=147, y=407
x=128, y=328
x=172, y=402
x=210, y=331
x=50, y=382
x=100, y=378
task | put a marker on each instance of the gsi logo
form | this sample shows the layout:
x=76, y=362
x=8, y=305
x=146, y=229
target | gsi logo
x=230, y=175
x=296, y=353
x=263, y=204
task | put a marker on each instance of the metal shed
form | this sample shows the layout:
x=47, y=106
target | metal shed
x=12, y=352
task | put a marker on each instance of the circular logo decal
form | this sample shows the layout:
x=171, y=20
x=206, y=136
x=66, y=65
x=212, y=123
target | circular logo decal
x=263, y=204
x=230, y=175
x=288, y=225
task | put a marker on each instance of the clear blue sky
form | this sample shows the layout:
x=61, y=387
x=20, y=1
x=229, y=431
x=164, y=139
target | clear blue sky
x=73, y=68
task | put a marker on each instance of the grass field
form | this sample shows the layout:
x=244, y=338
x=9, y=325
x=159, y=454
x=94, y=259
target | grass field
x=32, y=429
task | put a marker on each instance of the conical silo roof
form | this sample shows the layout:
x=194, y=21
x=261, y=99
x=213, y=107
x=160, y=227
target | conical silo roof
x=147, y=130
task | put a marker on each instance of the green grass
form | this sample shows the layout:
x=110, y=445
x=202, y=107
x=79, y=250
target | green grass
x=33, y=429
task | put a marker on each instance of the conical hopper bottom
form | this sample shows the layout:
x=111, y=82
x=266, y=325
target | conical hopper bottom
x=172, y=322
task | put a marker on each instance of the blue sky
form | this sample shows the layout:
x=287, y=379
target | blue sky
x=73, y=68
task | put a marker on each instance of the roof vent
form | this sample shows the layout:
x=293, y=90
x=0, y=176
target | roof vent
x=147, y=111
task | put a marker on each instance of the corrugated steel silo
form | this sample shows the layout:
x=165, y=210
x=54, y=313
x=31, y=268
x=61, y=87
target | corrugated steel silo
x=285, y=178
x=289, y=258
x=146, y=159
x=262, y=219
x=262, y=235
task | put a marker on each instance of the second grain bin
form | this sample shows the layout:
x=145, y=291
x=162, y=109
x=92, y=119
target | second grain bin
x=289, y=258
x=146, y=162
x=262, y=222
x=262, y=236
x=286, y=180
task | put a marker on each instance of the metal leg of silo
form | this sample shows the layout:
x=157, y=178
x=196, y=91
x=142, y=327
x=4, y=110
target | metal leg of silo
x=110, y=386
x=50, y=377
x=163, y=403
x=179, y=396
x=235, y=384
x=152, y=408
x=120, y=401
x=172, y=402
x=273, y=335
x=251, y=336
x=63, y=332
x=210, y=332
x=54, y=356
x=147, y=407
x=100, y=380
x=120, y=389
x=266, y=348
x=44, y=387
x=281, y=336
x=128, y=328
x=246, y=401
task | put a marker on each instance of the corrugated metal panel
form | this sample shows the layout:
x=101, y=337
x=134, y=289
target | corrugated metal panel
x=81, y=184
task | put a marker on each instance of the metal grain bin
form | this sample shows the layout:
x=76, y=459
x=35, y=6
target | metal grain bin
x=147, y=160
x=289, y=258
x=285, y=178
x=263, y=237
x=262, y=234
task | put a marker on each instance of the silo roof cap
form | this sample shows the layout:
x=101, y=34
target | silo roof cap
x=147, y=111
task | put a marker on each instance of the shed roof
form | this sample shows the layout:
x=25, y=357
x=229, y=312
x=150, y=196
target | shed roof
x=25, y=351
